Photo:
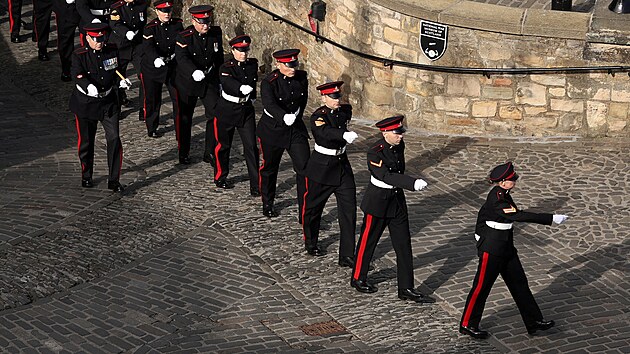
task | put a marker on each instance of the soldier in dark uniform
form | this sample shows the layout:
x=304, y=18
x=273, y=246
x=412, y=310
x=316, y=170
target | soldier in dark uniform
x=92, y=11
x=94, y=99
x=67, y=18
x=235, y=110
x=284, y=94
x=42, y=9
x=127, y=19
x=15, y=20
x=199, y=54
x=384, y=205
x=497, y=255
x=328, y=171
x=158, y=63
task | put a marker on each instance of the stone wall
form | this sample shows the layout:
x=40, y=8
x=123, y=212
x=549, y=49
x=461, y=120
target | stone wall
x=480, y=35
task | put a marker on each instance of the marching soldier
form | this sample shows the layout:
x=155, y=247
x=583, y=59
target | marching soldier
x=384, y=205
x=127, y=19
x=68, y=19
x=284, y=94
x=15, y=20
x=235, y=110
x=42, y=9
x=497, y=255
x=158, y=63
x=328, y=171
x=199, y=54
x=94, y=99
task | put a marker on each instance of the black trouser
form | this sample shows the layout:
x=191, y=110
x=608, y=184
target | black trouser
x=271, y=155
x=512, y=272
x=224, y=133
x=15, y=17
x=317, y=195
x=86, y=130
x=183, y=121
x=133, y=56
x=371, y=231
x=66, y=30
x=42, y=10
x=152, y=101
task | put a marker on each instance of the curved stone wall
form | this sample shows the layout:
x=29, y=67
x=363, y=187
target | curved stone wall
x=480, y=35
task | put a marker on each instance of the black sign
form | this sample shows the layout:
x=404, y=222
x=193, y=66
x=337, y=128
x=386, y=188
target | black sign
x=433, y=39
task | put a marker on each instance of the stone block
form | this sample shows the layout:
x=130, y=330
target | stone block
x=469, y=14
x=463, y=85
x=596, y=114
x=620, y=94
x=451, y=104
x=617, y=125
x=511, y=112
x=557, y=91
x=602, y=94
x=378, y=94
x=377, y=31
x=575, y=106
x=494, y=50
x=395, y=36
x=383, y=76
x=549, y=80
x=462, y=121
x=531, y=93
x=541, y=122
x=391, y=22
x=556, y=24
x=381, y=48
x=422, y=88
x=484, y=109
x=405, y=54
x=351, y=5
x=502, y=81
x=533, y=111
x=499, y=93
x=404, y=102
x=493, y=126
x=618, y=110
x=343, y=24
x=570, y=122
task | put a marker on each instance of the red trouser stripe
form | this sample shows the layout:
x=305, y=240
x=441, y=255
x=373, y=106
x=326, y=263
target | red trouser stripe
x=144, y=99
x=35, y=22
x=262, y=165
x=11, y=20
x=473, y=299
x=304, y=209
x=217, y=160
x=364, y=237
x=76, y=119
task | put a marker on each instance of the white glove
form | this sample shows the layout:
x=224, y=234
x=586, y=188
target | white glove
x=158, y=62
x=69, y=2
x=289, y=119
x=96, y=20
x=246, y=89
x=130, y=35
x=559, y=218
x=419, y=184
x=349, y=137
x=198, y=75
x=126, y=84
x=92, y=91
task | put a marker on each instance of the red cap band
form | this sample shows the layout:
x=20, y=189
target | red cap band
x=328, y=91
x=391, y=126
x=95, y=34
x=287, y=59
x=164, y=5
x=202, y=15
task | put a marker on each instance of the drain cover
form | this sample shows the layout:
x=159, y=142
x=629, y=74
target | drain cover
x=323, y=328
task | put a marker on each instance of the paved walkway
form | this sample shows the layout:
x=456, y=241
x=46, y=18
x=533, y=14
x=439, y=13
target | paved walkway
x=175, y=265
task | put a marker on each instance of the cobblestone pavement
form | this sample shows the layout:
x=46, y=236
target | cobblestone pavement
x=175, y=265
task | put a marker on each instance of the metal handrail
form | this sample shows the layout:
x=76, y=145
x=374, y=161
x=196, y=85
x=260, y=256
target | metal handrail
x=447, y=69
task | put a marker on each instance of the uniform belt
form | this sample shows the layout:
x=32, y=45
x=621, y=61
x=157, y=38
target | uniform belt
x=380, y=184
x=234, y=99
x=499, y=225
x=98, y=95
x=100, y=12
x=270, y=115
x=330, y=152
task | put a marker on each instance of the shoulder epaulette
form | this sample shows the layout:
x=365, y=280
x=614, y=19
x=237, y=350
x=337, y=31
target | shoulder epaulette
x=80, y=50
x=252, y=60
x=153, y=23
x=377, y=147
x=271, y=77
x=322, y=110
x=229, y=63
x=177, y=20
x=118, y=4
x=187, y=32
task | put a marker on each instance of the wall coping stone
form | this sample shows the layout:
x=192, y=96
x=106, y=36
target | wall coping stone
x=602, y=25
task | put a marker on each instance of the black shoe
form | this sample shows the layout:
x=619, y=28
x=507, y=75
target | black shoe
x=363, y=286
x=125, y=102
x=16, y=39
x=254, y=192
x=43, y=56
x=209, y=159
x=155, y=135
x=65, y=77
x=474, y=332
x=141, y=119
x=540, y=326
x=87, y=183
x=115, y=186
x=314, y=251
x=414, y=295
x=346, y=261
x=270, y=212
x=223, y=183
x=184, y=160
